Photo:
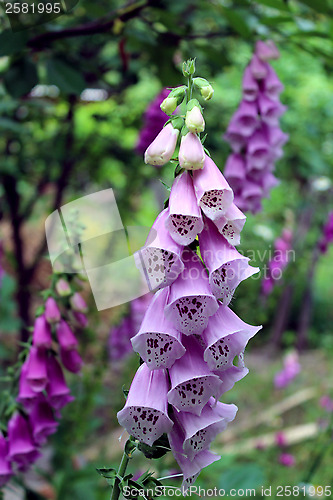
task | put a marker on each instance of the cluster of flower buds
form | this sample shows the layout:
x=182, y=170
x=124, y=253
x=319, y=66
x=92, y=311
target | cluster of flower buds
x=291, y=368
x=189, y=337
x=280, y=260
x=327, y=236
x=42, y=388
x=254, y=133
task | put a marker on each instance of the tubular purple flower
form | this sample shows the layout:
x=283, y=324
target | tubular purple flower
x=270, y=110
x=234, y=170
x=158, y=342
x=250, y=85
x=191, y=153
x=192, y=383
x=245, y=119
x=259, y=69
x=190, y=469
x=269, y=181
x=57, y=390
x=78, y=303
x=184, y=220
x=154, y=119
x=266, y=50
x=258, y=150
x=272, y=84
x=232, y=375
x=200, y=431
x=226, y=337
x=66, y=337
x=71, y=360
x=231, y=224
x=52, y=312
x=162, y=148
x=214, y=195
x=145, y=414
x=22, y=449
x=42, y=333
x=191, y=301
x=252, y=195
x=236, y=140
x=36, y=369
x=26, y=396
x=6, y=471
x=81, y=319
x=227, y=267
x=277, y=138
x=160, y=259
x=42, y=422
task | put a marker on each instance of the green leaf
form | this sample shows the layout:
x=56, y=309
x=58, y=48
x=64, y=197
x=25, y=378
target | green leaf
x=7, y=124
x=11, y=43
x=21, y=77
x=160, y=447
x=237, y=23
x=275, y=4
x=242, y=476
x=320, y=6
x=68, y=79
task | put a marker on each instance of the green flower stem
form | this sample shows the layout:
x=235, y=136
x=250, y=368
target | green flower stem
x=189, y=89
x=121, y=472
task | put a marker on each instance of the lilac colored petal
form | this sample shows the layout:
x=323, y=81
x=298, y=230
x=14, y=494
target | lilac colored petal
x=22, y=449
x=145, y=414
x=227, y=267
x=162, y=148
x=245, y=119
x=66, y=337
x=272, y=85
x=231, y=224
x=26, y=395
x=287, y=459
x=235, y=168
x=191, y=153
x=63, y=288
x=158, y=342
x=258, y=150
x=36, y=369
x=190, y=301
x=252, y=190
x=200, y=431
x=78, y=303
x=276, y=136
x=154, y=119
x=236, y=140
x=119, y=339
x=190, y=469
x=226, y=337
x=259, y=69
x=214, y=195
x=160, y=258
x=232, y=375
x=138, y=308
x=266, y=50
x=52, y=312
x=270, y=110
x=57, y=390
x=192, y=383
x=5, y=467
x=184, y=220
x=269, y=182
x=250, y=85
x=42, y=422
x=71, y=360
x=42, y=336
x=81, y=318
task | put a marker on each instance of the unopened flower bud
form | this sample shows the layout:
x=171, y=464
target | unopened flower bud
x=205, y=88
x=194, y=119
x=62, y=287
x=173, y=100
x=191, y=152
x=162, y=148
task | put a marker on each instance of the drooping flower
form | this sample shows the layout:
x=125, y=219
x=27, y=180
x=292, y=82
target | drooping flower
x=5, y=466
x=162, y=148
x=52, y=312
x=22, y=449
x=194, y=120
x=184, y=220
x=191, y=301
x=26, y=395
x=145, y=414
x=62, y=287
x=71, y=360
x=191, y=153
x=42, y=422
x=291, y=368
x=58, y=392
x=66, y=337
x=158, y=342
x=42, y=336
x=37, y=369
x=327, y=236
x=78, y=303
x=154, y=119
x=279, y=261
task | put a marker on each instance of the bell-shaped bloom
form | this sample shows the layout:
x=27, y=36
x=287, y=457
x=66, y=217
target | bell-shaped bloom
x=231, y=224
x=259, y=69
x=258, y=150
x=145, y=414
x=252, y=195
x=5, y=466
x=236, y=140
x=232, y=375
x=191, y=301
x=192, y=382
x=57, y=390
x=71, y=360
x=63, y=288
x=78, y=303
x=162, y=148
x=226, y=336
x=214, y=195
x=190, y=468
x=80, y=318
x=119, y=343
x=42, y=422
x=250, y=85
x=270, y=111
x=184, y=220
x=269, y=181
x=245, y=119
x=277, y=138
x=191, y=153
x=227, y=267
x=291, y=368
x=154, y=119
x=200, y=431
x=52, y=312
x=158, y=342
x=235, y=170
x=37, y=369
x=272, y=85
x=194, y=120
x=266, y=50
x=65, y=336
x=22, y=449
x=42, y=336
x=160, y=259
x=26, y=396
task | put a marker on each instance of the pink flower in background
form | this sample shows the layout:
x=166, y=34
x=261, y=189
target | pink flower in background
x=326, y=403
x=291, y=368
x=287, y=459
x=253, y=132
x=154, y=120
x=327, y=236
x=280, y=260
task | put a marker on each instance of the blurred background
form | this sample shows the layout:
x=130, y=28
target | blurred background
x=74, y=90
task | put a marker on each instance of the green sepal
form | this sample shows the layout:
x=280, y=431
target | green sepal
x=160, y=448
x=177, y=122
x=125, y=391
x=184, y=131
x=109, y=474
x=192, y=104
x=168, y=188
x=130, y=447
